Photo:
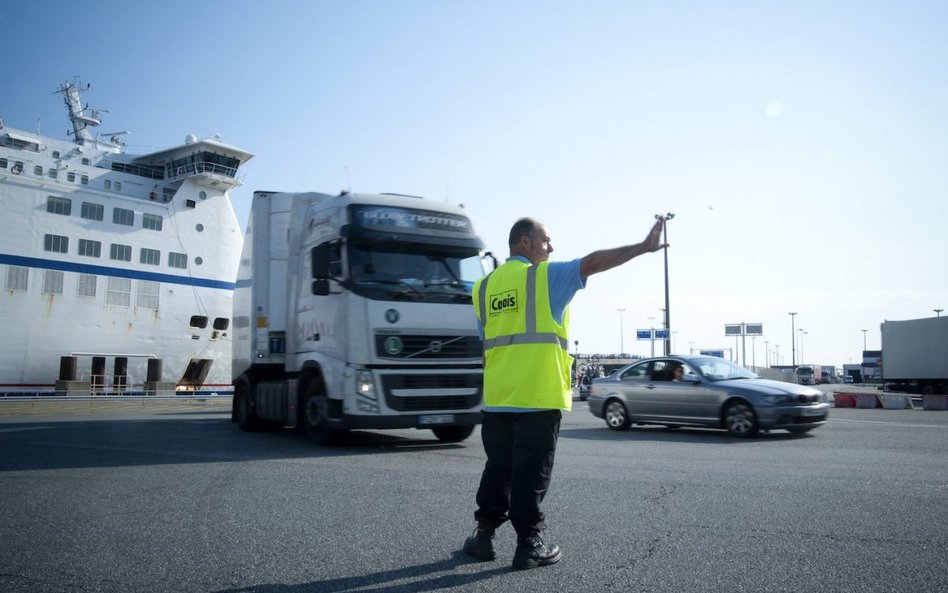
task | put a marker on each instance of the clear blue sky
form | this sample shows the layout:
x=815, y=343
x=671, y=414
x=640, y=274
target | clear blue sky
x=802, y=145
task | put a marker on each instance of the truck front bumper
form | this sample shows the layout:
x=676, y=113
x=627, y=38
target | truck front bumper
x=433, y=420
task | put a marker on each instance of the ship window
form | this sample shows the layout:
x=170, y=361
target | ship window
x=203, y=195
x=85, y=161
x=118, y=186
x=199, y=228
x=150, y=256
x=119, y=292
x=18, y=278
x=199, y=321
x=151, y=221
x=52, y=173
x=148, y=294
x=56, y=243
x=90, y=248
x=85, y=180
x=56, y=205
x=190, y=203
x=177, y=260
x=92, y=211
x=107, y=184
x=198, y=260
x=123, y=216
x=71, y=177
x=38, y=170
x=55, y=154
x=52, y=282
x=120, y=252
x=3, y=163
x=21, y=143
x=221, y=323
x=87, y=285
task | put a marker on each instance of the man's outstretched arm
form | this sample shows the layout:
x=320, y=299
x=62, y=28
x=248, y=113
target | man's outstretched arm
x=606, y=259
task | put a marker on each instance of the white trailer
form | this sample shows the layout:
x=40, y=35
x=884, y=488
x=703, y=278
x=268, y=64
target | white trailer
x=354, y=311
x=915, y=355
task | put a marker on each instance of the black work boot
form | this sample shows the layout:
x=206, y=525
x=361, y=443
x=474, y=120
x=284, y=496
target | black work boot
x=481, y=544
x=532, y=552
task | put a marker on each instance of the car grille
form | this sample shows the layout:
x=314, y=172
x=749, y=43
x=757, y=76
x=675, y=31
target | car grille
x=417, y=403
x=424, y=347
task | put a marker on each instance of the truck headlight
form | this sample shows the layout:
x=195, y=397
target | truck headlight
x=365, y=384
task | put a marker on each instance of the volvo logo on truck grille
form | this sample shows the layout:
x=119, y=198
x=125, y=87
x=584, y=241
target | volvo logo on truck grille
x=391, y=316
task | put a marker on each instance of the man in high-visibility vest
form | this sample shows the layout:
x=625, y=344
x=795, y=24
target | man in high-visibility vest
x=522, y=307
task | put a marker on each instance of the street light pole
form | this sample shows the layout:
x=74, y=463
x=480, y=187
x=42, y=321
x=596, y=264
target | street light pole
x=621, y=332
x=937, y=312
x=651, y=333
x=802, y=333
x=668, y=216
x=864, y=339
x=793, y=345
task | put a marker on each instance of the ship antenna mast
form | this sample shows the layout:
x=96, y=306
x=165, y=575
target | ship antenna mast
x=80, y=121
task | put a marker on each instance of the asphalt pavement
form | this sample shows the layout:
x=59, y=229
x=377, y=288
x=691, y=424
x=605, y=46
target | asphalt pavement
x=175, y=498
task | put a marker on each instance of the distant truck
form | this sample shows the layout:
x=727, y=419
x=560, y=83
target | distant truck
x=354, y=311
x=809, y=374
x=915, y=355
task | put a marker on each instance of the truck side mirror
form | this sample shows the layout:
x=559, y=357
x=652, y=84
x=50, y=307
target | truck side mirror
x=320, y=259
x=321, y=262
x=321, y=287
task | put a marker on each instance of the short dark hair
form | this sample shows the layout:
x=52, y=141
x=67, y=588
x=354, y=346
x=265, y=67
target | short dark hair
x=522, y=228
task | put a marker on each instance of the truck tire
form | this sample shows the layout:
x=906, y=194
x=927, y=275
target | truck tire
x=452, y=434
x=314, y=416
x=243, y=406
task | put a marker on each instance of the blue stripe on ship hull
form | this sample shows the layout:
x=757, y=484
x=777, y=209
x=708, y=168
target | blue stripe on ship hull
x=48, y=264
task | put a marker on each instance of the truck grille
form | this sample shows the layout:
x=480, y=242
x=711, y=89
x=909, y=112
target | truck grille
x=421, y=347
x=418, y=403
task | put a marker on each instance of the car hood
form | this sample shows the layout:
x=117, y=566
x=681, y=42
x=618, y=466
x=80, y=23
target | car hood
x=769, y=387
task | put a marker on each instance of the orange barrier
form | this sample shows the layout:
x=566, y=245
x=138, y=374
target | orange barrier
x=844, y=400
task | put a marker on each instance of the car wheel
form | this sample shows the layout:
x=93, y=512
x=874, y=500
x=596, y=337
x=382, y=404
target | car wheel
x=315, y=417
x=740, y=420
x=617, y=418
x=452, y=434
x=800, y=429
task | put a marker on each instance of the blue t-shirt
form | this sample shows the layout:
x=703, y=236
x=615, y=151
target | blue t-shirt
x=564, y=281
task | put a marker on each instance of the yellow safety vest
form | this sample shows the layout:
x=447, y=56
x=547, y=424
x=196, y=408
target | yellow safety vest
x=526, y=352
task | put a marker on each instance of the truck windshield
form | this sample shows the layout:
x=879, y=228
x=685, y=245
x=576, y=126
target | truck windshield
x=413, y=275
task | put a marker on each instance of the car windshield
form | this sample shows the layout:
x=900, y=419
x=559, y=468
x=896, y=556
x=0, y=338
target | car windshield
x=718, y=369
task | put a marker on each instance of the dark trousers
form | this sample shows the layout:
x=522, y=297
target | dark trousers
x=520, y=447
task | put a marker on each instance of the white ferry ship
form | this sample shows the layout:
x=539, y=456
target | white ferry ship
x=117, y=270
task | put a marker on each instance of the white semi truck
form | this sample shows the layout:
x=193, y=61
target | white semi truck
x=354, y=312
x=915, y=355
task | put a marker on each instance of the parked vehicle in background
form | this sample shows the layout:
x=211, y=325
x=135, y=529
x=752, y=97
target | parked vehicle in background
x=354, y=311
x=712, y=392
x=915, y=355
x=809, y=374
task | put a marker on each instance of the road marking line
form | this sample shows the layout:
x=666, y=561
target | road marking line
x=888, y=423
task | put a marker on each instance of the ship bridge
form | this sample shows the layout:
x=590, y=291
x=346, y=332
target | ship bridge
x=207, y=162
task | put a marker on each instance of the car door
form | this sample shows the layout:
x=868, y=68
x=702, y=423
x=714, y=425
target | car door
x=691, y=400
x=667, y=399
x=635, y=387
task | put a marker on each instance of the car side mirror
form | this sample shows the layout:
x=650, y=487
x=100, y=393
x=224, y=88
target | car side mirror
x=691, y=378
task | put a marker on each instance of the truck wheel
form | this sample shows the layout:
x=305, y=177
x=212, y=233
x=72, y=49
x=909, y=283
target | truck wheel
x=315, y=420
x=246, y=418
x=452, y=434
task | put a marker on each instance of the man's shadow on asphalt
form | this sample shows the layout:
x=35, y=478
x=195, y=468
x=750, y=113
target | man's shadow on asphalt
x=423, y=579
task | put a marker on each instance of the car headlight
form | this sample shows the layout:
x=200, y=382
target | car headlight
x=785, y=398
x=365, y=384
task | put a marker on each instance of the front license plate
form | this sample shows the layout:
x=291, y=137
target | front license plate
x=812, y=412
x=430, y=419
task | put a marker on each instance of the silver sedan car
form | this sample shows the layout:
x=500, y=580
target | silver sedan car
x=704, y=391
